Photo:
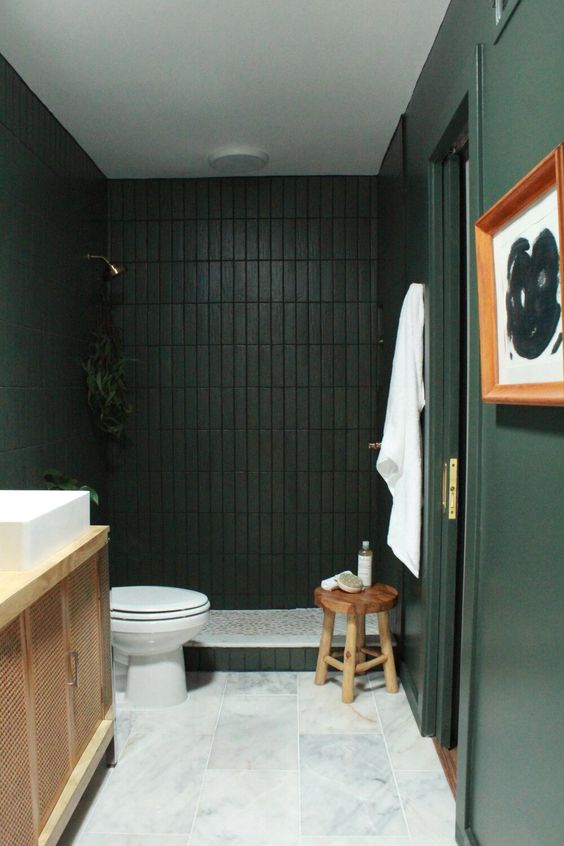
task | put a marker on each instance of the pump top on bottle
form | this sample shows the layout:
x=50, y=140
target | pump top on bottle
x=365, y=564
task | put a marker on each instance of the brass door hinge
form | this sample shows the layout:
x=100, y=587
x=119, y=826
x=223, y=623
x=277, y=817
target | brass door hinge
x=453, y=489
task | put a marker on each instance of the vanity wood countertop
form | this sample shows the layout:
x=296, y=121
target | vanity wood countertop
x=21, y=588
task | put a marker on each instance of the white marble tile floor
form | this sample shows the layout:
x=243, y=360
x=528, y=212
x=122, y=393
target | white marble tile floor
x=269, y=759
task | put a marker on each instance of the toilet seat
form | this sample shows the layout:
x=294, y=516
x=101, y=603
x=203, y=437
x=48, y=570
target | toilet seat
x=153, y=603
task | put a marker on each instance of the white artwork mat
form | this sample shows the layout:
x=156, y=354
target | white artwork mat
x=513, y=369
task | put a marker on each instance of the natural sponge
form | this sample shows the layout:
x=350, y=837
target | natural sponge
x=348, y=582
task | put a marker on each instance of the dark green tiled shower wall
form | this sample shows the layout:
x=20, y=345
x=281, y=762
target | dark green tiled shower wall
x=52, y=212
x=248, y=313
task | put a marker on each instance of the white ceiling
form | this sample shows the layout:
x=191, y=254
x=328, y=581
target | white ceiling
x=150, y=89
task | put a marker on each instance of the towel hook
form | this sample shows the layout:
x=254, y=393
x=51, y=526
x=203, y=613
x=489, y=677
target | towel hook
x=374, y=445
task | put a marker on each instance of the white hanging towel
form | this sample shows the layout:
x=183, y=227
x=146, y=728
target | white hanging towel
x=400, y=459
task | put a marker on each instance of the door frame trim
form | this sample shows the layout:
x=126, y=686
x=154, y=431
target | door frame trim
x=475, y=468
x=454, y=428
x=434, y=578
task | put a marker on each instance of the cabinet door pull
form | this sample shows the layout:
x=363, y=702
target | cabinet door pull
x=75, y=675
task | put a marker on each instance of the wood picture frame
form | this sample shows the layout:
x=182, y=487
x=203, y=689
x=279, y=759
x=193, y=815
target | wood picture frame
x=519, y=243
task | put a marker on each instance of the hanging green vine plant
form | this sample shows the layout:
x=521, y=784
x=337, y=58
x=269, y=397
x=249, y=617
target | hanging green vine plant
x=105, y=373
x=57, y=481
x=106, y=386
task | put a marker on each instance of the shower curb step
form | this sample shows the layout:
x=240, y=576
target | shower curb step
x=278, y=639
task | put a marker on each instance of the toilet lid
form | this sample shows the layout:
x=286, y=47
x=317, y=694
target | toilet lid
x=151, y=599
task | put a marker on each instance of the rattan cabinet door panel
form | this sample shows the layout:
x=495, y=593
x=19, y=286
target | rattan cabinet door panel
x=17, y=826
x=105, y=630
x=50, y=697
x=84, y=632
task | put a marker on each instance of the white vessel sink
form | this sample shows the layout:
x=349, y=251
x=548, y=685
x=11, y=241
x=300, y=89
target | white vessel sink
x=36, y=524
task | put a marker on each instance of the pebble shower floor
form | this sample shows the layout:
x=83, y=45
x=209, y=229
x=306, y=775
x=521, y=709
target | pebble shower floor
x=270, y=759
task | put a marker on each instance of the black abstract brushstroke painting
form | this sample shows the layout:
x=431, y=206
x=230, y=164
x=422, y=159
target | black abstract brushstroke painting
x=533, y=311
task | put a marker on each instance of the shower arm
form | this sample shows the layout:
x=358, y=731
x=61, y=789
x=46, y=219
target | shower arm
x=113, y=269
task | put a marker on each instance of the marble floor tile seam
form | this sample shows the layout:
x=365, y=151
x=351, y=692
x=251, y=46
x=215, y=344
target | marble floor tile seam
x=299, y=772
x=343, y=733
x=266, y=695
x=227, y=770
x=176, y=838
x=389, y=729
x=392, y=768
x=430, y=808
x=200, y=792
x=354, y=839
x=120, y=839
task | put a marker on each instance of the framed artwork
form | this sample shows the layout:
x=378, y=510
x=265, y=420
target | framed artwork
x=519, y=243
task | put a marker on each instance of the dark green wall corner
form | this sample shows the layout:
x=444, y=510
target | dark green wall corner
x=52, y=213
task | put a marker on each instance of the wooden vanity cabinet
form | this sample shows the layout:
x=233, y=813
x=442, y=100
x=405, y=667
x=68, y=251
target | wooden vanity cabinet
x=17, y=823
x=55, y=689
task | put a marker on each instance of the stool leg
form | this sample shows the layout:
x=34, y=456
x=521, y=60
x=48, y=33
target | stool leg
x=389, y=666
x=324, y=646
x=361, y=638
x=349, y=658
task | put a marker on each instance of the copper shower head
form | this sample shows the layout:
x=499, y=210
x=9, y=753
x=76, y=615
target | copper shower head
x=111, y=268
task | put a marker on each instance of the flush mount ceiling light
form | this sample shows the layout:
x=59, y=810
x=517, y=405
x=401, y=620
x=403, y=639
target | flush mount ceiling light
x=232, y=161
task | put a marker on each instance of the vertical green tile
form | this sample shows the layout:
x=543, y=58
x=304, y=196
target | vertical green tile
x=273, y=309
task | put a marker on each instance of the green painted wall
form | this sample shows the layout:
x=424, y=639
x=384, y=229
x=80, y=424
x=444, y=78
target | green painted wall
x=390, y=293
x=247, y=313
x=511, y=758
x=52, y=212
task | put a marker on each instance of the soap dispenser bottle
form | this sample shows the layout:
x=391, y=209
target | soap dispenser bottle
x=365, y=564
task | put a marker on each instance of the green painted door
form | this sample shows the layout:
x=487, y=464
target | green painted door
x=454, y=237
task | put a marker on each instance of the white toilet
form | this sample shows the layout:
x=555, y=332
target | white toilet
x=149, y=626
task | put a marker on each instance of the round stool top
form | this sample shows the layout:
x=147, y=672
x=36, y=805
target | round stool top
x=371, y=600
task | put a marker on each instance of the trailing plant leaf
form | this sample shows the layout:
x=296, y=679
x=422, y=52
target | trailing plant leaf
x=104, y=369
x=106, y=386
x=57, y=481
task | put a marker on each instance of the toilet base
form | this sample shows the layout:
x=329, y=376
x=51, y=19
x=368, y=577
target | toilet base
x=156, y=681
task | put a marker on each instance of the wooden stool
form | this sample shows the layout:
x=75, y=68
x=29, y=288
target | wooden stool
x=377, y=599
